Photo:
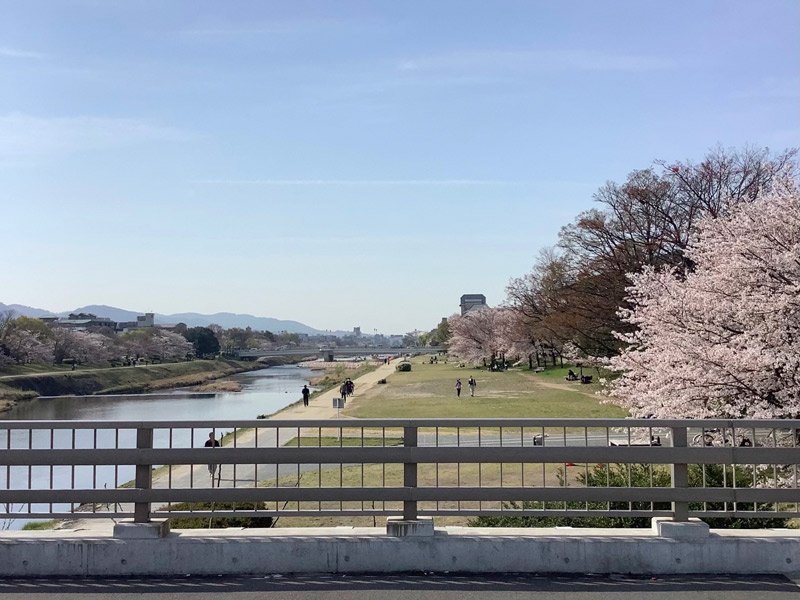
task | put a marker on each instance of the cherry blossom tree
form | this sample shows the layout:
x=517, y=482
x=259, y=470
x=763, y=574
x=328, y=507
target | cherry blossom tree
x=155, y=344
x=723, y=340
x=24, y=340
x=171, y=346
x=479, y=335
x=82, y=346
x=574, y=292
x=23, y=346
x=92, y=347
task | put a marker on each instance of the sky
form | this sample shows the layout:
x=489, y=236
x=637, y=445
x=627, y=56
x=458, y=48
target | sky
x=351, y=163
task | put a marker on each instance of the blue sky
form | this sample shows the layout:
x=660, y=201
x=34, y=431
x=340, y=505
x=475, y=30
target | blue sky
x=350, y=163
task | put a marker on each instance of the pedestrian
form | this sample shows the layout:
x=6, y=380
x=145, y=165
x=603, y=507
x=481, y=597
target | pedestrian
x=458, y=388
x=212, y=468
x=472, y=384
x=343, y=392
x=306, y=393
x=351, y=387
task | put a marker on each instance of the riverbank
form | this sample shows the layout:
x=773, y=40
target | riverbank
x=118, y=380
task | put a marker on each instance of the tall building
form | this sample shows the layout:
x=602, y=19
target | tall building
x=472, y=301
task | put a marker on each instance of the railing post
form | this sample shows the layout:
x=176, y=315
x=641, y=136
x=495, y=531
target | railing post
x=144, y=475
x=410, y=474
x=680, y=474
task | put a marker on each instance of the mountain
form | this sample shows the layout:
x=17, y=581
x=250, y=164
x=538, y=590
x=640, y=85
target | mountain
x=28, y=311
x=226, y=320
x=101, y=310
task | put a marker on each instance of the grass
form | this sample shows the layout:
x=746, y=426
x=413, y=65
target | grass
x=9, y=396
x=428, y=391
x=317, y=442
x=119, y=380
x=391, y=475
x=41, y=525
x=219, y=386
x=560, y=374
x=35, y=368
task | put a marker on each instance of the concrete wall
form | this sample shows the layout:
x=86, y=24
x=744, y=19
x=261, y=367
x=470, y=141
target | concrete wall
x=360, y=550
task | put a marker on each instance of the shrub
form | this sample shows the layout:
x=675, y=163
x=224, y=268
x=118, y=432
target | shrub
x=404, y=366
x=218, y=522
x=639, y=475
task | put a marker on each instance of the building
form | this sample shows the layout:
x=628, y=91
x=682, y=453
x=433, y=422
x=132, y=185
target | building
x=146, y=320
x=472, y=301
x=80, y=321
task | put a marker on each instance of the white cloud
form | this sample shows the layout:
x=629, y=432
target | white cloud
x=16, y=53
x=25, y=136
x=535, y=60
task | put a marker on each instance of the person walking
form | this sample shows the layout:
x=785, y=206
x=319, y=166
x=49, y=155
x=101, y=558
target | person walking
x=458, y=388
x=306, y=394
x=212, y=468
x=472, y=385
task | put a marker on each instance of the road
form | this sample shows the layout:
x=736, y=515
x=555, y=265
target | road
x=406, y=587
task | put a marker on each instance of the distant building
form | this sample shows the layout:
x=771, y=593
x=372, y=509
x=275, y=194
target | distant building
x=80, y=321
x=357, y=331
x=472, y=301
x=147, y=320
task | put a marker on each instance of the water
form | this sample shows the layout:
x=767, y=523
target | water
x=263, y=392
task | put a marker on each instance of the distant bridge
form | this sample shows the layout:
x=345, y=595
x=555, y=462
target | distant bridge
x=328, y=354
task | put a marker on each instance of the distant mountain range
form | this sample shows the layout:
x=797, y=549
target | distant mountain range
x=226, y=320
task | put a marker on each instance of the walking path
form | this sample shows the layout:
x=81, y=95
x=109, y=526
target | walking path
x=187, y=476
x=321, y=407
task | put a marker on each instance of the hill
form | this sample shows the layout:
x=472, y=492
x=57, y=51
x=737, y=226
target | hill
x=226, y=320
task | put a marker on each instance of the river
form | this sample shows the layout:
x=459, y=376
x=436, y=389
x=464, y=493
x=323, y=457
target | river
x=263, y=392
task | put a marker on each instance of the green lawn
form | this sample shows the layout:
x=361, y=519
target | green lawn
x=428, y=391
x=391, y=475
x=35, y=368
x=326, y=440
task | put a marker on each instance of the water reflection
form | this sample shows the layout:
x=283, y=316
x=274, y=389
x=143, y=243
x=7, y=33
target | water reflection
x=263, y=392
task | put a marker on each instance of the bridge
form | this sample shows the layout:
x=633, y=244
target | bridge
x=409, y=471
x=329, y=354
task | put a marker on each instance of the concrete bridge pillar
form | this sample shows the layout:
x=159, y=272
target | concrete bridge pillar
x=327, y=355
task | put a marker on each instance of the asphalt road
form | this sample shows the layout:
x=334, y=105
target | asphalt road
x=406, y=587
